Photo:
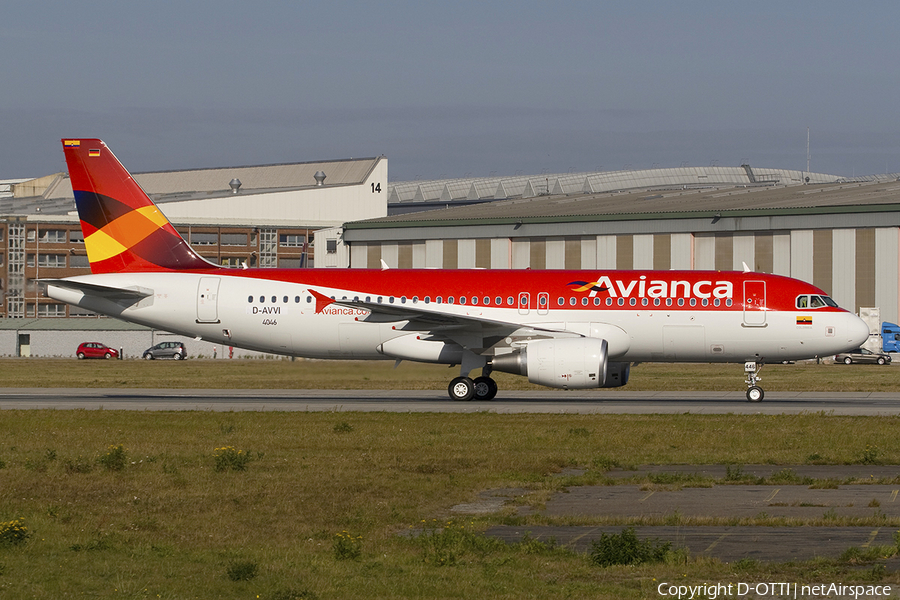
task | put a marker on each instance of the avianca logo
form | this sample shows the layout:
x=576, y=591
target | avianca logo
x=656, y=288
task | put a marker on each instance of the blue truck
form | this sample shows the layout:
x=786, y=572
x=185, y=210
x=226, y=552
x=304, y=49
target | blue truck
x=890, y=337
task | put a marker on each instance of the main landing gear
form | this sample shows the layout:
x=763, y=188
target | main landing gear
x=481, y=388
x=754, y=392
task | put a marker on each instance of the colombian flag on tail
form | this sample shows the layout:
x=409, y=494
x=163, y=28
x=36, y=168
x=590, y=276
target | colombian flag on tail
x=123, y=229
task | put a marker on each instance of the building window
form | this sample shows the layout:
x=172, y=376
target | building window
x=51, y=310
x=79, y=261
x=292, y=240
x=290, y=263
x=231, y=261
x=54, y=236
x=52, y=260
x=234, y=239
x=76, y=236
x=331, y=246
x=204, y=239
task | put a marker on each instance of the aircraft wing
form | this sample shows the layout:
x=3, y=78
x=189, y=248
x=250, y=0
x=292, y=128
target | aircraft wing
x=469, y=330
x=134, y=294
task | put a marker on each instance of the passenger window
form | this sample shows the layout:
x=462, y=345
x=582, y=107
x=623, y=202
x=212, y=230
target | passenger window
x=296, y=299
x=498, y=301
x=274, y=299
x=510, y=301
x=262, y=299
x=250, y=299
x=285, y=299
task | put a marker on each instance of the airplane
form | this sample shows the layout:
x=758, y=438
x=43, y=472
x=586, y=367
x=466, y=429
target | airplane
x=559, y=328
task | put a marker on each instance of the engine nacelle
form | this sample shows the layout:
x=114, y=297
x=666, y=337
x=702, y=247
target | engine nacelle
x=572, y=363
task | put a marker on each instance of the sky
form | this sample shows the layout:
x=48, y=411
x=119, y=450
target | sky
x=453, y=89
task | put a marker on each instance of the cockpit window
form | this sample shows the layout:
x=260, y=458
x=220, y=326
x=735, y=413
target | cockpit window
x=811, y=301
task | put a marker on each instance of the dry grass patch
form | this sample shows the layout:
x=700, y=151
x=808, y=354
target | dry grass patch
x=169, y=524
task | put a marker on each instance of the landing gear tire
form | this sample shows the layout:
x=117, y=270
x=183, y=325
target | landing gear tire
x=755, y=394
x=485, y=388
x=462, y=389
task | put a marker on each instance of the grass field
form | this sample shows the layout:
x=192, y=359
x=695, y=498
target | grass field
x=284, y=506
x=315, y=374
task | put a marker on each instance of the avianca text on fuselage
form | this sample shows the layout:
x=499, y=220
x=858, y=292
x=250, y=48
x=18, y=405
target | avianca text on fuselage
x=656, y=288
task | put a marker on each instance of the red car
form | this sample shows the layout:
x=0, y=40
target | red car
x=95, y=350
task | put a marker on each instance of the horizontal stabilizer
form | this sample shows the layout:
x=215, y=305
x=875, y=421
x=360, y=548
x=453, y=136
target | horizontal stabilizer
x=103, y=291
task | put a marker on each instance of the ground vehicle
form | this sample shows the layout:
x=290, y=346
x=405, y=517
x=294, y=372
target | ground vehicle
x=861, y=355
x=890, y=337
x=174, y=350
x=95, y=350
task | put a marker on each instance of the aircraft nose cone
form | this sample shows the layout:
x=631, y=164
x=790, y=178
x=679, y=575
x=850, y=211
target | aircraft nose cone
x=857, y=331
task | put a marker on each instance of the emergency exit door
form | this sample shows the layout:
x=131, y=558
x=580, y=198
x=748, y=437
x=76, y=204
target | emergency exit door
x=208, y=300
x=755, y=303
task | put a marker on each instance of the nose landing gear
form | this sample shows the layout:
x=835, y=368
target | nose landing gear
x=754, y=392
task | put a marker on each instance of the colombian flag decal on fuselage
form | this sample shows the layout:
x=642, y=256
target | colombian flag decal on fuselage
x=804, y=320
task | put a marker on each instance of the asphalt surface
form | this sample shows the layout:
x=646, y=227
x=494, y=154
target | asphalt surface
x=547, y=402
x=844, y=496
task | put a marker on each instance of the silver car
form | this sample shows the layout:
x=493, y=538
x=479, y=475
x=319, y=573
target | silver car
x=861, y=355
x=174, y=350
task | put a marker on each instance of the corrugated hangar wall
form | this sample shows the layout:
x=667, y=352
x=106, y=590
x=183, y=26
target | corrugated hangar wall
x=858, y=267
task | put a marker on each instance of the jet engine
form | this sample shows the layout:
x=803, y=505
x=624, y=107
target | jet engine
x=572, y=363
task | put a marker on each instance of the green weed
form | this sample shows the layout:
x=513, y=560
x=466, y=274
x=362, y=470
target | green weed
x=14, y=533
x=114, y=459
x=626, y=549
x=242, y=570
x=230, y=458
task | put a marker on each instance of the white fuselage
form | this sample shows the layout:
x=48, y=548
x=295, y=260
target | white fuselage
x=281, y=317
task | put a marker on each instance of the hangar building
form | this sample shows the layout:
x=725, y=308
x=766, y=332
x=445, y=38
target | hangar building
x=841, y=235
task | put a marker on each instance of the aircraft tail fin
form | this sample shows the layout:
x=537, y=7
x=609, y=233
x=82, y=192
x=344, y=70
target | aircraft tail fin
x=123, y=230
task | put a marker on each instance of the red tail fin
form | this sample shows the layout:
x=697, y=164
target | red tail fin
x=123, y=229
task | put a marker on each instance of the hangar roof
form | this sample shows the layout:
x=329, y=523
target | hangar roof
x=52, y=195
x=661, y=203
